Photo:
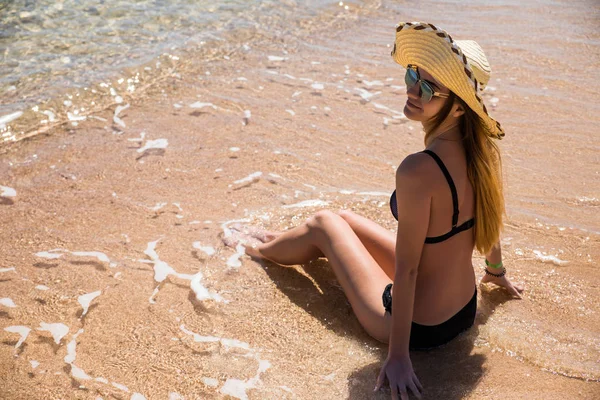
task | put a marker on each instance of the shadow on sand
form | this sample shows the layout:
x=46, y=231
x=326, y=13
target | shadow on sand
x=449, y=372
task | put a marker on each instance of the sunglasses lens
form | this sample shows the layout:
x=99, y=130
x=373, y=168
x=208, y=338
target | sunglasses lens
x=411, y=77
x=426, y=92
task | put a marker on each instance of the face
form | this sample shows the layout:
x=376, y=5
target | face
x=416, y=108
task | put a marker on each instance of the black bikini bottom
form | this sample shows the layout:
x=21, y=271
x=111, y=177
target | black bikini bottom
x=428, y=336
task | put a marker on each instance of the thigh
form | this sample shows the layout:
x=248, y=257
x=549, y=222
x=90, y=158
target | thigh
x=362, y=279
x=378, y=241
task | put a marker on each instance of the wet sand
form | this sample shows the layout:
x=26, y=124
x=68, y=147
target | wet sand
x=93, y=213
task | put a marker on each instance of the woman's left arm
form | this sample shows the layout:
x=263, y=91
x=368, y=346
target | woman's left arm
x=413, y=202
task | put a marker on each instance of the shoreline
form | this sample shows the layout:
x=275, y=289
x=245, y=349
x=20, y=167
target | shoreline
x=265, y=331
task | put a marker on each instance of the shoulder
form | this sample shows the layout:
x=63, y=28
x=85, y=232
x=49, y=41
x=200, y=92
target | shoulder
x=416, y=168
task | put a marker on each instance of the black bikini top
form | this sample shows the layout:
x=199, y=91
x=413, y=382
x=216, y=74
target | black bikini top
x=455, y=229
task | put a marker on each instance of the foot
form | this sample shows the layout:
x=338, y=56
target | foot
x=256, y=233
x=250, y=237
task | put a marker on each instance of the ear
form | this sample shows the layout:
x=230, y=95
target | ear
x=458, y=110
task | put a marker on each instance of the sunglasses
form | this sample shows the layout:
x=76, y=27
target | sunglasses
x=426, y=92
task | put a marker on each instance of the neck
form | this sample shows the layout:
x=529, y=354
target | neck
x=444, y=132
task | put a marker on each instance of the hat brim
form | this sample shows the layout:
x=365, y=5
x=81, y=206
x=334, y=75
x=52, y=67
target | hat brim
x=434, y=50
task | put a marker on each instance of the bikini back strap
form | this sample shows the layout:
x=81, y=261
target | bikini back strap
x=450, y=183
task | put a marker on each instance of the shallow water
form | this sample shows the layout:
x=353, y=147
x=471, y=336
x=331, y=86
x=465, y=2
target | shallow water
x=112, y=252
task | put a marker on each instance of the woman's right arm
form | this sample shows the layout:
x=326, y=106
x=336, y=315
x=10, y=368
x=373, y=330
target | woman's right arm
x=495, y=266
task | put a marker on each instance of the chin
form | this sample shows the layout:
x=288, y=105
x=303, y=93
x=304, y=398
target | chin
x=410, y=114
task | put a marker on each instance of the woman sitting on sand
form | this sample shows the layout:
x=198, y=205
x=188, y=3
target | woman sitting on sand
x=448, y=200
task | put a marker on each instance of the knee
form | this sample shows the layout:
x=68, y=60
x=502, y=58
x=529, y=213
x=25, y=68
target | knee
x=323, y=219
x=347, y=215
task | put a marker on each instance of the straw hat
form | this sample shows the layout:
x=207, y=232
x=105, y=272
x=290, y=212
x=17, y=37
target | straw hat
x=459, y=65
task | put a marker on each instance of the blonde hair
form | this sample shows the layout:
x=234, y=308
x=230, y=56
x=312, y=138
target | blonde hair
x=484, y=169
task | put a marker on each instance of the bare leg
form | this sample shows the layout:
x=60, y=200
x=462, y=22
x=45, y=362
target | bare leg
x=378, y=241
x=362, y=279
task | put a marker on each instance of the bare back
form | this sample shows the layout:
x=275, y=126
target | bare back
x=445, y=280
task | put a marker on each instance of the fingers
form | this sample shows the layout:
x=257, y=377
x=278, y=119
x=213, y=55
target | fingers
x=413, y=388
x=514, y=292
x=418, y=383
x=380, y=380
x=403, y=395
x=519, y=287
x=394, y=390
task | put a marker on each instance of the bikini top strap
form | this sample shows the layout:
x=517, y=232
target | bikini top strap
x=450, y=183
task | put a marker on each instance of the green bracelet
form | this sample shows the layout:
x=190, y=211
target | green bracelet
x=489, y=264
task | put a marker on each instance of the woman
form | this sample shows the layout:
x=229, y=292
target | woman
x=448, y=200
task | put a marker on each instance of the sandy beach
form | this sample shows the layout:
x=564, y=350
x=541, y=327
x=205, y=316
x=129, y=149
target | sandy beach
x=115, y=283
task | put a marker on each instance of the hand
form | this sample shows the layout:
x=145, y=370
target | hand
x=401, y=376
x=503, y=281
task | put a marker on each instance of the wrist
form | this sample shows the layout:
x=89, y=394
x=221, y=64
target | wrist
x=497, y=266
x=495, y=272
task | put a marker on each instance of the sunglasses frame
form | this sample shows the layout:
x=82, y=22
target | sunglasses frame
x=422, y=83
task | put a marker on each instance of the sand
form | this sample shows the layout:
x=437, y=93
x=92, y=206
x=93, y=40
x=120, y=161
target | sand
x=115, y=282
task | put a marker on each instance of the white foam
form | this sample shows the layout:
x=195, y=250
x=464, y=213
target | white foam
x=154, y=293
x=200, y=104
x=226, y=231
x=137, y=396
x=140, y=139
x=116, y=118
x=42, y=287
x=5, y=191
x=552, y=259
x=586, y=199
x=5, y=119
x=211, y=382
x=175, y=396
x=208, y=250
x=197, y=337
x=21, y=330
x=7, y=269
x=96, y=254
x=235, y=343
x=382, y=107
x=34, y=364
x=365, y=94
x=234, y=260
x=276, y=58
x=374, y=193
x=158, y=206
x=237, y=388
x=49, y=255
x=234, y=149
x=154, y=144
x=86, y=299
x=201, y=292
x=307, y=203
x=7, y=302
x=162, y=270
x=372, y=83
x=120, y=387
x=76, y=372
x=101, y=380
x=249, y=178
x=317, y=86
x=329, y=377
x=74, y=117
x=51, y=116
x=58, y=330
